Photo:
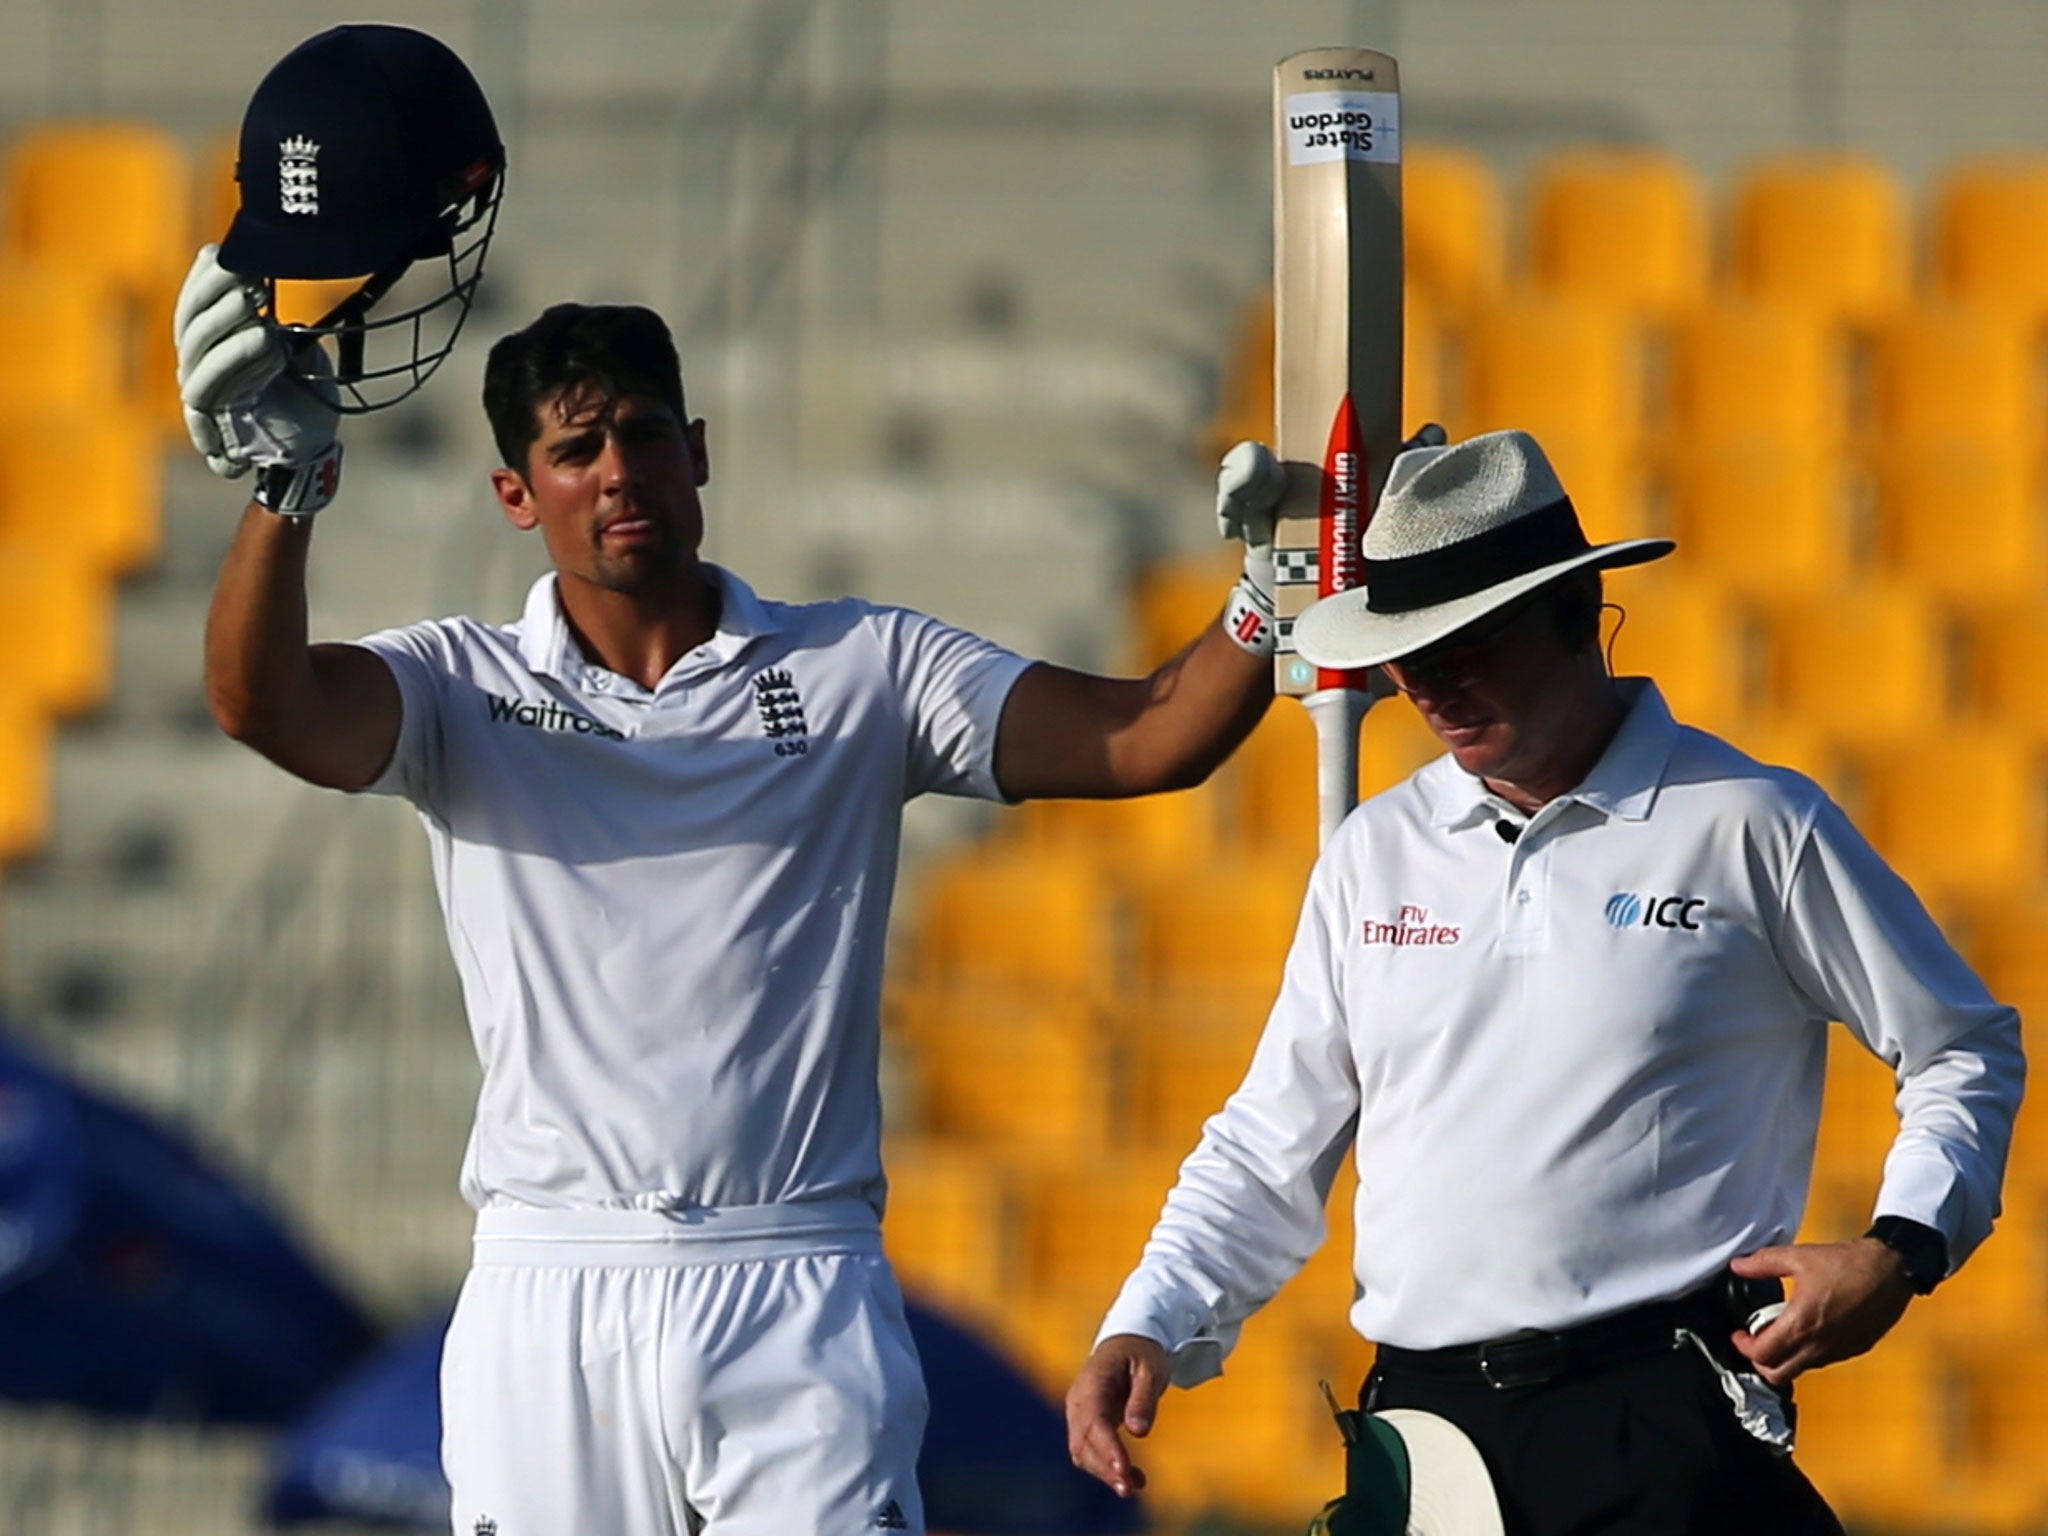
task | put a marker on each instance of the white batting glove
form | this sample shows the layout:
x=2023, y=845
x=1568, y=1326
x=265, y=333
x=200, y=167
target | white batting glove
x=1248, y=489
x=242, y=409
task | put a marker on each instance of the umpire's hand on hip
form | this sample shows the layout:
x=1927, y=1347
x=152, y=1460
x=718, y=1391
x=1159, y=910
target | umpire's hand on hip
x=1118, y=1389
x=1844, y=1298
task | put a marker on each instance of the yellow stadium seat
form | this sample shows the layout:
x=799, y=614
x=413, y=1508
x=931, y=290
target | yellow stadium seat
x=1959, y=812
x=1542, y=362
x=1244, y=396
x=1961, y=518
x=2004, y=1421
x=1176, y=600
x=1825, y=233
x=1049, y=1334
x=1785, y=741
x=1228, y=925
x=1273, y=775
x=1864, y=665
x=102, y=199
x=1041, y=919
x=1947, y=372
x=1762, y=516
x=1187, y=1052
x=1692, y=636
x=2001, y=938
x=56, y=626
x=950, y=1229
x=1571, y=373
x=1149, y=833
x=60, y=345
x=1621, y=227
x=1425, y=391
x=111, y=202
x=1257, y=1440
x=1990, y=228
x=111, y=513
x=1873, y=1430
x=2001, y=1292
x=1031, y=1078
x=1743, y=368
x=1453, y=225
x=1858, y=1124
x=25, y=748
x=1087, y=1224
x=2007, y=648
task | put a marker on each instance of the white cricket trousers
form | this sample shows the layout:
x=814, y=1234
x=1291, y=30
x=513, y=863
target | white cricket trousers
x=738, y=1372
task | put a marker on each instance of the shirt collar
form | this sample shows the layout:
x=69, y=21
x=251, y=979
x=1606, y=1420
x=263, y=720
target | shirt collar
x=1623, y=783
x=546, y=645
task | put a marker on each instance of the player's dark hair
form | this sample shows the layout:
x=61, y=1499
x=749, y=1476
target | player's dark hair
x=607, y=350
x=1574, y=602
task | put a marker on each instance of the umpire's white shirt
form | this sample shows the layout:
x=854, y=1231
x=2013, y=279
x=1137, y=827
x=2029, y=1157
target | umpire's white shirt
x=668, y=907
x=1585, y=1067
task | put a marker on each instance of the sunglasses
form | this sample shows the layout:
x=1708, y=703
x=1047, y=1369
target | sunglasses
x=1456, y=657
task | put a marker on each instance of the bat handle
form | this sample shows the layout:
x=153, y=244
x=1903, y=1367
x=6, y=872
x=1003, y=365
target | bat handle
x=1337, y=713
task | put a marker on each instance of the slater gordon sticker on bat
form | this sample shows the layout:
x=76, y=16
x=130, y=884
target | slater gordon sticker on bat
x=1343, y=125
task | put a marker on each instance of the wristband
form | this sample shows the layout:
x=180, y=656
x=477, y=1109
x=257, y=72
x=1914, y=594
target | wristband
x=299, y=490
x=1923, y=1251
x=1248, y=619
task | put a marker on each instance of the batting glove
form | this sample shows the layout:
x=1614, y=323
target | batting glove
x=242, y=408
x=1248, y=489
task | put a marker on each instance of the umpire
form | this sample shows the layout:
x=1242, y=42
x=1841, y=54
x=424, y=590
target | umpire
x=1564, y=995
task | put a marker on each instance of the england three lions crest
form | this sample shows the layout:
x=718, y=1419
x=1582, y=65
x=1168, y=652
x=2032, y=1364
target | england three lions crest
x=298, y=175
x=782, y=712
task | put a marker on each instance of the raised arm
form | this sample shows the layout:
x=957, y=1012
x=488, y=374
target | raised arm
x=1068, y=735
x=329, y=713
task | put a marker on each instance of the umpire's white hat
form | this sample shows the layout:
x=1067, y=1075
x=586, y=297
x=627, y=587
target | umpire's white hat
x=1460, y=531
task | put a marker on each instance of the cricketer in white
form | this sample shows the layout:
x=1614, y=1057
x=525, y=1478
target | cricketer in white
x=664, y=817
x=670, y=939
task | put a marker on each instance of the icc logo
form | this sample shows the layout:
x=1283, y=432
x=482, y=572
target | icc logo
x=1628, y=910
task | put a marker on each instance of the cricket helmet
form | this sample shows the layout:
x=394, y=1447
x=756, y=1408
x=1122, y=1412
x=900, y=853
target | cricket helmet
x=367, y=149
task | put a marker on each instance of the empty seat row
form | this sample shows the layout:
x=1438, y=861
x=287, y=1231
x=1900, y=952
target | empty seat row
x=1828, y=233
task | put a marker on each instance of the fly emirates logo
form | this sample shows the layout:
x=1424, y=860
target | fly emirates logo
x=1411, y=927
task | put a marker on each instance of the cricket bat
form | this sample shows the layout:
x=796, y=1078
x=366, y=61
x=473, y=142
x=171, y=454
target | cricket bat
x=1336, y=362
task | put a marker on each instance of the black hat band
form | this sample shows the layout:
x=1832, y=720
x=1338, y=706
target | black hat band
x=1543, y=537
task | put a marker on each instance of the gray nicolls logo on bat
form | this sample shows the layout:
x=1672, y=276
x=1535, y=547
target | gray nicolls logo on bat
x=782, y=712
x=298, y=175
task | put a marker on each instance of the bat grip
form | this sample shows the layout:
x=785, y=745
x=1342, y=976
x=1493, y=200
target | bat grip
x=1337, y=713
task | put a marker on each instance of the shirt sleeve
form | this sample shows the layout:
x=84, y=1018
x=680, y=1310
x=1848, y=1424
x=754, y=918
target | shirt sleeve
x=951, y=686
x=1862, y=947
x=1248, y=1209
x=417, y=657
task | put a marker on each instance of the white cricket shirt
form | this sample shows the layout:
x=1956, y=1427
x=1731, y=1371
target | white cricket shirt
x=667, y=907
x=1582, y=1070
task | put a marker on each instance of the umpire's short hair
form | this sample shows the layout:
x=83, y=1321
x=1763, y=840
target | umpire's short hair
x=607, y=349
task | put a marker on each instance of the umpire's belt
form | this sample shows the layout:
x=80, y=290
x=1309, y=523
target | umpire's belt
x=1533, y=1357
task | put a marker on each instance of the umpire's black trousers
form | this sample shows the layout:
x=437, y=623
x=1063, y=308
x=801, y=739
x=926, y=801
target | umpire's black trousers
x=1648, y=1446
